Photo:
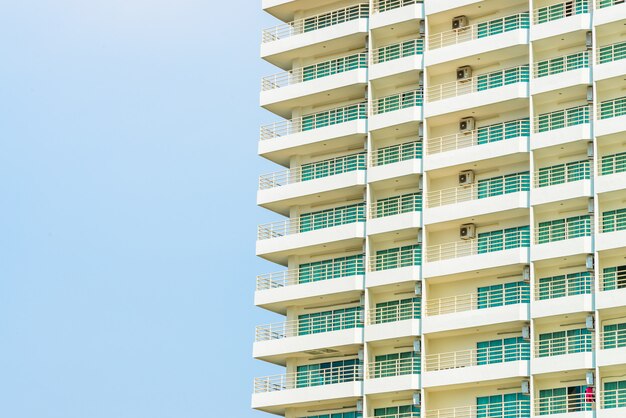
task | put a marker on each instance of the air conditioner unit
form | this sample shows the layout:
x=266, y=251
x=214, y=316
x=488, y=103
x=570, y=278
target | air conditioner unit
x=417, y=399
x=526, y=332
x=418, y=289
x=420, y=130
x=589, y=322
x=420, y=79
x=590, y=205
x=589, y=40
x=590, y=94
x=467, y=231
x=422, y=29
x=466, y=177
x=589, y=262
x=420, y=184
x=460, y=22
x=526, y=387
x=359, y=405
x=464, y=73
x=417, y=346
x=467, y=124
x=526, y=274
x=590, y=378
x=589, y=150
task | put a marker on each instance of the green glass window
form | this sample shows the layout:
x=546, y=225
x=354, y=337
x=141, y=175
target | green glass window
x=389, y=206
x=351, y=414
x=327, y=321
x=564, y=173
x=497, y=26
x=503, y=239
x=611, y=164
x=334, y=18
x=400, y=152
x=565, y=285
x=614, y=220
x=336, y=66
x=563, y=400
x=502, y=78
x=333, y=166
x=332, y=217
x=563, y=118
x=499, y=131
x=396, y=364
x=511, y=405
x=331, y=269
x=613, y=108
x=561, y=64
x=612, y=53
x=565, y=342
x=614, y=394
x=503, y=294
x=614, y=278
x=328, y=373
x=397, y=310
x=504, y=350
x=561, y=10
x=401, y=411
x=399, y=101
x=334, y=116
x=511, y=183
x=561, y=229
x=392, y=258
x=614, y=336
x=401, y=50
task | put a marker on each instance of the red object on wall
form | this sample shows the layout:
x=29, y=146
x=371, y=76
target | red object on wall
x=590, y=395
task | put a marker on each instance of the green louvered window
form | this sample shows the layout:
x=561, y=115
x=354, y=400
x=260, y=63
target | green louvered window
x=336, y=66
x=510, y=183
x=562, y=64
x=502, y=350
x=400, y=411
x=561, y=229
x=503, y=294
x=395, y=205
x=563, y=400
x=510, y=405
x=506, y=130
x=395, y=364
x=497, y=26
x=563, y=285
x=333, y=166
x=612, y=53
x=502, y=78
x=563, y=118
x=614, y=395
x=392, y=258
x=328, y=373
x=332, y=217
x=613, y=108
x=331, y=269
x=334, y=116
x=564, y=173
x=614, y=278
x=400, y=50
x=503, y=239
x=335, y=320
x=397, y=310
x=565, y=342
x=612, y=164
x=561, y=10
x=614, y=220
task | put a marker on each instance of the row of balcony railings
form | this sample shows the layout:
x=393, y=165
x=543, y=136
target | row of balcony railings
x=485, y=297
x=478, y=83
x=560, y=10
x=489, y=352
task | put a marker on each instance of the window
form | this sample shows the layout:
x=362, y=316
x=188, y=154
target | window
x=503, y=294
x=560, y=229
x=503, y=239
x=565, y=285
x=327, y=373
x=565, y=342
x=500, y=131
x=331, y=269
x=563, y=400
x=614, y=394
x=332, y=217
x=614, y=277
x=397, y=310
x=614, y=336
x=409, y=255
x=396, y=364
x=401, y=411
x=512, y=405
x=614, y=220
x=335, y=320
x=510, y=183
x=499, y=351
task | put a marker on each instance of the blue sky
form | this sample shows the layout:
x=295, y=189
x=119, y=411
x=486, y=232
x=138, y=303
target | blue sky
x=128, y=133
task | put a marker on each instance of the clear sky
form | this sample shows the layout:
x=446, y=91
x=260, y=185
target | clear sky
x=128, y=170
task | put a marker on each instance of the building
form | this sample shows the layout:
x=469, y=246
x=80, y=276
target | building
x=451, y=209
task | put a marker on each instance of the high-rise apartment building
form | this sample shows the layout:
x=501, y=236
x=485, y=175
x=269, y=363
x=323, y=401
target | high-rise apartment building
x=450, y=210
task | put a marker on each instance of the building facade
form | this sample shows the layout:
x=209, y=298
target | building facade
x=451, y=209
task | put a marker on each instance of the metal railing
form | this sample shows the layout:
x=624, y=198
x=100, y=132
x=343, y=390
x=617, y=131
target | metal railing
x=612, y=279
x=300, y=225
x=469, y=247
x=478, y=83
x=480, y=136
x=562, y=229
x=561, y=64
x=396, y=153
x=479, y=30
x=398, y=50
x=477, y=357
x=612, y=108
x=562, y=118
x=412, y=414
x=394, y=313
x=294, y=380
x=610, y=53
x=474, y=301
x=613, y=338
x=335, y=270
x=312, y=171
x=613, y=220
x=496, y=186
x=385, y=5
x=563, y=173
x=314, y=121
x=390, y=206
x=569, y=344
x=611, y=164
x=313, y=325
x=600, y=4
x=395, y=367
x=560, y=11
x=613, y=398
x=508, y=409
x=562, y=404
x=564, y=285
x=314, y=72
x=312, y=23
x=393, y=258
x=398, y=101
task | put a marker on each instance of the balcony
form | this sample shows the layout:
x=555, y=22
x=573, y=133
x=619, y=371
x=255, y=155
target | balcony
x=612, y=401
x=343, y=126
x=609, y=61
x=563, y=294
x=478, y=39
x=483, y=143
x=274, y=342
x=563, y=237
x=612, y=345
x=506, y=303
x=307, y=86
x=397, y=58
x=608, y=11
x=487, y=196
x=571, y=405
x=398, y=372
x=570, y=352
x=613, y=230
x=391, y=12
x=612, y=288
x=612, y=116
x=612, y=173
x=462, y=367
x=506, y=409
x=333, y=230
x=394, y=319
x=314, y=35
x=561, y=127
x=395, y=213
x=560, y=18
x=309, y=282
x=396, y=109
x=562, y=182
x=395, y=161
x=275, y=393
x=481, y=90
x=561, y=72
x=301, y=185
x=395, y=265
x=510, y=247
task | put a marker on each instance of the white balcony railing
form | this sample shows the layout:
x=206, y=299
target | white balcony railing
x=394, y=367
x=313, y=325
x=600, y=4
x=473, y=301
x=560, y=10
x=612, y=398
x=477, y=83
x=394, y=313
x=314, y=121
x=396, y=205
x=562, y=404
x=398, y=101
x=612, y=338
x=299, y=225
x=612, y=280
x=398, y=50
x=385, y=5
x=479, y=30
x=561, y=64
x=470, y=247
x=476, y=357
x=346, y=267
x=570, y=344
x=313, y=23
x=507, y=409
x=319, y=377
